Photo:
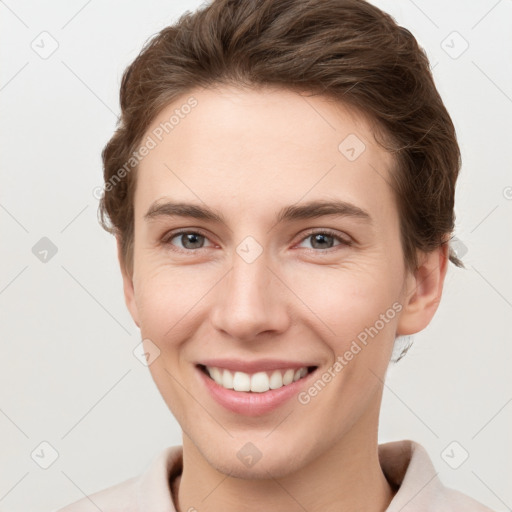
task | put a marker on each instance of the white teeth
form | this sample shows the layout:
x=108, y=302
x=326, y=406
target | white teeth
x=241, y=381
x=227, y=379
x=216, y=375
x=259, y=382
x=288, y=377
x=276, y=380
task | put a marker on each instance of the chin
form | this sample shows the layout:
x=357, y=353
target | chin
x=250, y=463
x=261, y=470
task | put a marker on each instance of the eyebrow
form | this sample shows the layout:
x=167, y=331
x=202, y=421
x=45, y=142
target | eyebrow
x=310, y=210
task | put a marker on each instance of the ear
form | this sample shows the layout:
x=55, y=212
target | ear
x=128, y=289
x=424, y=290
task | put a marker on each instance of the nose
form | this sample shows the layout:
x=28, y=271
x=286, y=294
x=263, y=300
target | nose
x=251, y=301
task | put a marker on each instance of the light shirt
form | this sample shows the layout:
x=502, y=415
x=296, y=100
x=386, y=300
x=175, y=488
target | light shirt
x=406, y=465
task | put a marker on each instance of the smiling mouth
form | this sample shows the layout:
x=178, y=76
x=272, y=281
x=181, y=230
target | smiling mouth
x=258, y=382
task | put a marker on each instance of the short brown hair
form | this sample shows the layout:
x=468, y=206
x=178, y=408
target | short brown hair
x=347, y=50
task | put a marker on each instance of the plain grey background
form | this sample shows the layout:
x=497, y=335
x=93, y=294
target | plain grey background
x=68, y=375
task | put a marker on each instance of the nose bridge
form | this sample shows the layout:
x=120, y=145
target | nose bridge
x=248, y=302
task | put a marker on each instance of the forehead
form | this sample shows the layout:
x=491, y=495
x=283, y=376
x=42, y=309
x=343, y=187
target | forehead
x=252, y=149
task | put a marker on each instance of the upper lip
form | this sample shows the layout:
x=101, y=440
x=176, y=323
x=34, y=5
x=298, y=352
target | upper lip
x=260, y=365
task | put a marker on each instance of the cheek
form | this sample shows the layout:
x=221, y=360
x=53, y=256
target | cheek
x=344, y=301
x=167, y=298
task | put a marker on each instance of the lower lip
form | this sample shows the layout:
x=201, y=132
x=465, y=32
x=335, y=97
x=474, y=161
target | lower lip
x=249, y=403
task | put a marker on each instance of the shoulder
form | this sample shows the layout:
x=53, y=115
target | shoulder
x=118, y=498
x=148, y=491
x=453, y=500
x=410, y=470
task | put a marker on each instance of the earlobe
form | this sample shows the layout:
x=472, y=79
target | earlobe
x=128, y=288
x=424, y=293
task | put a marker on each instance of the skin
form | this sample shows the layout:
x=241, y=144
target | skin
x=248, y=153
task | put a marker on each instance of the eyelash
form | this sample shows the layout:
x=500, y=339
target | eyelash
x=343, y=242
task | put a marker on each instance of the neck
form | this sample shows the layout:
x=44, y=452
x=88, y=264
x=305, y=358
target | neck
x=345, y=477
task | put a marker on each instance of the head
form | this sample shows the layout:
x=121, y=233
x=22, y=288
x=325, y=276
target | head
x=254, y=113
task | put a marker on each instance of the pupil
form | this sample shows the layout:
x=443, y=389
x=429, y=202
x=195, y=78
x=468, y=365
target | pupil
x=321, y=238
x=193, y=239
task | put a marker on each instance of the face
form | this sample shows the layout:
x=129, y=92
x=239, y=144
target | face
x=257, y=278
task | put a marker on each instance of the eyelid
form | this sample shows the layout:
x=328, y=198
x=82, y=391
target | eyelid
x=167, y=237
x=312, y=231
x=330, y=232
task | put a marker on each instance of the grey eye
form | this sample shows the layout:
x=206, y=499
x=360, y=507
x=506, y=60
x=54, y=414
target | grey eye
x=321, y=241
x=188, y=240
